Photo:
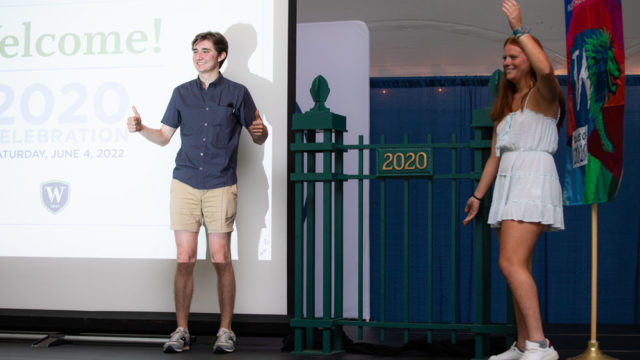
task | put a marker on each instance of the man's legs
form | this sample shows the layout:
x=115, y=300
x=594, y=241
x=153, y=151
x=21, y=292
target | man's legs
x=187, y=244
x=220, y=249
x=219, y=212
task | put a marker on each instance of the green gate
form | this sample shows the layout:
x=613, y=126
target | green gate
x=397, y=161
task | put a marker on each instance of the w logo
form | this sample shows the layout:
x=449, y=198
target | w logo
x=55, y=195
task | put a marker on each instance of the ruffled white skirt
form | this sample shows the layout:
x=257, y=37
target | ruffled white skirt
x=527, y=188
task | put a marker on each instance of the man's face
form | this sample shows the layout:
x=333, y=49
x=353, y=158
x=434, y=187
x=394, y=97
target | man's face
x=205, y=58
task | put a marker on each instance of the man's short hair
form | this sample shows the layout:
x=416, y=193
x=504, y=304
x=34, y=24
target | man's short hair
x=220, y=44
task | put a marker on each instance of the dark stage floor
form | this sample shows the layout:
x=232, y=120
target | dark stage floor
x=622, y=342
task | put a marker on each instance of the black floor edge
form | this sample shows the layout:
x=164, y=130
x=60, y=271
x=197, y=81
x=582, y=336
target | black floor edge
x=161, y=323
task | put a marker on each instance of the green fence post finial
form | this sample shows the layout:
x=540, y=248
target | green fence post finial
x=319, y=118
x=480, y=117
x=319, y=93
x=494, y=82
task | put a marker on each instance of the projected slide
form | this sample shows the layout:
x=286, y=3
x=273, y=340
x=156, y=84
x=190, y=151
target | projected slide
x=74, y=182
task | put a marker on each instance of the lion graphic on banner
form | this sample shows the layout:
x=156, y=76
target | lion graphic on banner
x=603, y=71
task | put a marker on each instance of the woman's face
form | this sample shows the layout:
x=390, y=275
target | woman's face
x=514, y=63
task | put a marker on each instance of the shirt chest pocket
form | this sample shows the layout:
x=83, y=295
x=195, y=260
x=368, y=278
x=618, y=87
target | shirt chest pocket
x=222, y=123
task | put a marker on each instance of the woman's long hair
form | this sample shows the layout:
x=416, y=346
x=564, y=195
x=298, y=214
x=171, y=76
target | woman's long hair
x=502, y=105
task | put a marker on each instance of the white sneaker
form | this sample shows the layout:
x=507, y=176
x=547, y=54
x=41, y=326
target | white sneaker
x=178, y=342
x=225, y=341
x=512, y=354
x=535, y=352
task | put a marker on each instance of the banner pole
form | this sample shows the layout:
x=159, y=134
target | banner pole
x=594, y=270
x=593, y=349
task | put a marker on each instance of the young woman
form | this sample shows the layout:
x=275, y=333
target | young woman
x=527, y=197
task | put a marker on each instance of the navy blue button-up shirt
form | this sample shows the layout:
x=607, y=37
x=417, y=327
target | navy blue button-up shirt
x=210, y=122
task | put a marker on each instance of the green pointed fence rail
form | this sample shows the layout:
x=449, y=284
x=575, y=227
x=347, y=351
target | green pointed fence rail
x=398, y=161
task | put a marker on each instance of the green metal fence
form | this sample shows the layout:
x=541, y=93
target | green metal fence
x=394, y=161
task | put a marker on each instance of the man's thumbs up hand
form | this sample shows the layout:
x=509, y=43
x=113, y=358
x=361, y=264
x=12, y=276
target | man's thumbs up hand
x=134, y=123
x=258, y=130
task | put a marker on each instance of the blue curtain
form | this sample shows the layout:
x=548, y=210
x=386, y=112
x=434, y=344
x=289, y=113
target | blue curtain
x=442, y=106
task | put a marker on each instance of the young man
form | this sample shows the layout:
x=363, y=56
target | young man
x=210, y=111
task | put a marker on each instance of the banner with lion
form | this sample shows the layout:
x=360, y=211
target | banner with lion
x=595, y=114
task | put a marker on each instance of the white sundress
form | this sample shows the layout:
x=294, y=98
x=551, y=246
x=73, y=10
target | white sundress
x=527, y=187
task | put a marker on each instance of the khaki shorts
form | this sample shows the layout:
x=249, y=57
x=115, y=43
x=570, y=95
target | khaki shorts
x=189, y=206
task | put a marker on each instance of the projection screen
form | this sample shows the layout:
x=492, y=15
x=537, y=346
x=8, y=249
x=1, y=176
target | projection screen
x=84, y=211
